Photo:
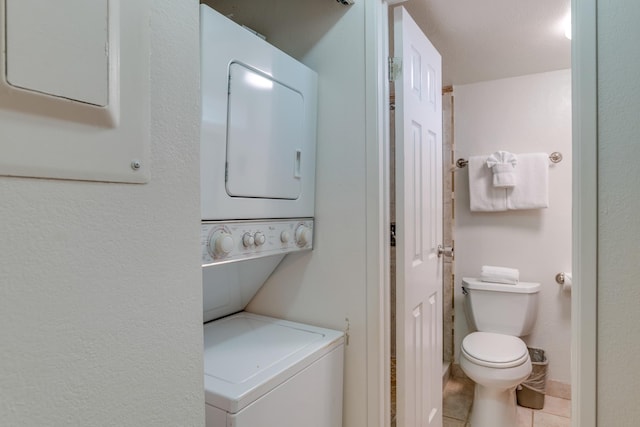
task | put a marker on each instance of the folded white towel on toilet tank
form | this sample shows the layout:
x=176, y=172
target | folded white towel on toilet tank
x=490, y=273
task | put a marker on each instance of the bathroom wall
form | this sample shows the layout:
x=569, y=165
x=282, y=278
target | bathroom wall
x=618, y=367
x=523, y=114
x=448, y=237
x=100, y=285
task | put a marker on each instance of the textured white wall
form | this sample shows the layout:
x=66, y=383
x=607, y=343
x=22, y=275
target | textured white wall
x=619, y=203
x=524, y=114
x=100, y=285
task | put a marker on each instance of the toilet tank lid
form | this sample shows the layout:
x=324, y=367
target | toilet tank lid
x=520, y=288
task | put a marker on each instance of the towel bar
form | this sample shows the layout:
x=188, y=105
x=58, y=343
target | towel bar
x=555, y=157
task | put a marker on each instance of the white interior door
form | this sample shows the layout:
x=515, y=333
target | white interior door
x=418, y=226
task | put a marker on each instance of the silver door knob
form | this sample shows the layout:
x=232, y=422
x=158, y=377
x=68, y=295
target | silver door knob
x=445, y=250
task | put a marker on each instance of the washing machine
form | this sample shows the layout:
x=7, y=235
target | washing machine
x=258, y=191
x=261, y=371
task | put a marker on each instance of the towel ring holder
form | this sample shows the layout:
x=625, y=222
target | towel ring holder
x=555, y=157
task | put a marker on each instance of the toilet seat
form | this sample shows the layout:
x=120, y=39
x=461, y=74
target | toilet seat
x=494, y=350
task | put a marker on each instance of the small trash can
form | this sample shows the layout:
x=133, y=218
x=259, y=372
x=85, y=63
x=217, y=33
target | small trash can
x=530, y=393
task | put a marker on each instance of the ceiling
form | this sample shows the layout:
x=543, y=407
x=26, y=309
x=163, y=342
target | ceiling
x=483, y=40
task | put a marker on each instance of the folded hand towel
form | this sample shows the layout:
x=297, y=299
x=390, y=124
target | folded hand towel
x=483, y=196
x=506, y=275
x=503, y=176
x=532, y=191
x=502, y=164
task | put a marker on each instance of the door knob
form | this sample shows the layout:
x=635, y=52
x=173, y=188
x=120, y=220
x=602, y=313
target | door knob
x=445, y=250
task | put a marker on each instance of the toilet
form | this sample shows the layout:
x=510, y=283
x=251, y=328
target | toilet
x=494, y=356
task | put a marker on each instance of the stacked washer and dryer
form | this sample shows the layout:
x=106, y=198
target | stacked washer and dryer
x=258, y=136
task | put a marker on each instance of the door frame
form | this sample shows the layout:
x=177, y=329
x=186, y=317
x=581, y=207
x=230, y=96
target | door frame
x=585, y=214
x=377, y=220
x=584, y=200
x=378, y=212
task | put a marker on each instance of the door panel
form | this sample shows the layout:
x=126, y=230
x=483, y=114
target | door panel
x=418, y=226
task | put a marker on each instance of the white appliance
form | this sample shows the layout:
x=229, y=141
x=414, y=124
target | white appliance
x=261, y=371
x=259, y=109
x=258, y=189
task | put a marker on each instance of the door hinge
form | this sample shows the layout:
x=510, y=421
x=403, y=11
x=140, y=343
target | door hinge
x=393, y=234
x=395, y=66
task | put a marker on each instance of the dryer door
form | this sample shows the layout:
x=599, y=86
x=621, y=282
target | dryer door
x=265, y=136
x=258, y=140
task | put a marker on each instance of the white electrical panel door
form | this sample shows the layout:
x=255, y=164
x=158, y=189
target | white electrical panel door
x=264, y=134
x=46, y=60
x=74, y=89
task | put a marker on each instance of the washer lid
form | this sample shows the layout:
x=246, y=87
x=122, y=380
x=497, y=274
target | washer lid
x=495, y=350
x=247, y=355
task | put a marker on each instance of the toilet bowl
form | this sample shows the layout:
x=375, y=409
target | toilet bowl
x=497, y=363
x=494, y=357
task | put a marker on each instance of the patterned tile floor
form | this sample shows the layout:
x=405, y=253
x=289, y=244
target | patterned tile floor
x=458, y=399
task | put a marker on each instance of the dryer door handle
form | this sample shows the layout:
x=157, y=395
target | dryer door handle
x=297, y=163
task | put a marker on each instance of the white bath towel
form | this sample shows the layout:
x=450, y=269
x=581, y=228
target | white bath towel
x=532, y=191
x=502, y=165
x=483, y=196
x=490, y=273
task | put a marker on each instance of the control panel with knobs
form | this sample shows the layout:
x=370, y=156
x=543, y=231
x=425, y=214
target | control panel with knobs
x=229, y=241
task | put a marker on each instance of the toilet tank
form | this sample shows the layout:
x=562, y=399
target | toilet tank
x=501, y=308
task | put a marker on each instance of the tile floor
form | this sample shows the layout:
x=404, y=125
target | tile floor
x=458, y=398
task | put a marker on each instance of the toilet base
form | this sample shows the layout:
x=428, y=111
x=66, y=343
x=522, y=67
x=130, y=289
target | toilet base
x=494, y=407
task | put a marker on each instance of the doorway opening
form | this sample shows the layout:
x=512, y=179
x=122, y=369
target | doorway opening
x=454, y=322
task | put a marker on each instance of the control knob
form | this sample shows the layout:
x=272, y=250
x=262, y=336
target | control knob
x=285, y=237
x=303, y=235
x=247, y=240
x=259, y=238
x=221, y=243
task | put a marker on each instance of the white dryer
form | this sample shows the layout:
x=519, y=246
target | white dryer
x=258, y=129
